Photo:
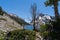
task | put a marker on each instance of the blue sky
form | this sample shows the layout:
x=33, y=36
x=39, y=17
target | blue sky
x=22, y=7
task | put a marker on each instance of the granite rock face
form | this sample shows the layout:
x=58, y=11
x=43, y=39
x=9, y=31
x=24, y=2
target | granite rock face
x=8, y=24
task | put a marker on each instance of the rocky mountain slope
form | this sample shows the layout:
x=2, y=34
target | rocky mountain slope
x=9, y=23
x=44, y=18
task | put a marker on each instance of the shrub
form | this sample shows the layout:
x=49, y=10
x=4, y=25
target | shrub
x=21, y=35
x=2, y=35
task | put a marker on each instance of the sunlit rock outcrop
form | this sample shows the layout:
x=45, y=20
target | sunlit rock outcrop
x=9, y=23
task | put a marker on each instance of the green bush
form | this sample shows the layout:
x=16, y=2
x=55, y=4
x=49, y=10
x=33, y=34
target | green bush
x=44, y=33
x=43, y=28
x=2, y=35
x=51, y=30
x=21, y=35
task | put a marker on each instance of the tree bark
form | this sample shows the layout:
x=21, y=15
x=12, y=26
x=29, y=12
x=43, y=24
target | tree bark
x=56, y=10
